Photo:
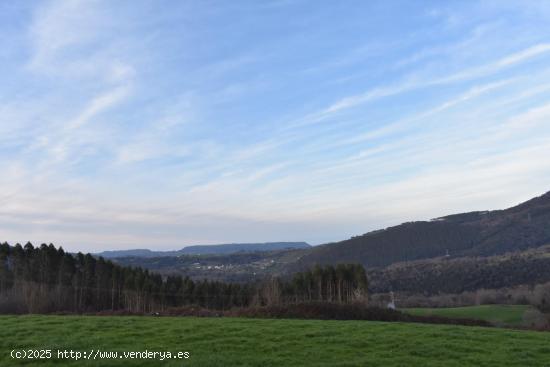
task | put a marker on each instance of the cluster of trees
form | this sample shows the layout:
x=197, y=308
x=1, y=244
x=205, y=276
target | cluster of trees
x=343, y=283
x=48, y=279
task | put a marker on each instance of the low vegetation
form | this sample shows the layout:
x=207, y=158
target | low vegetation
x=339, y=311
x=257, y=342
x=499, y=315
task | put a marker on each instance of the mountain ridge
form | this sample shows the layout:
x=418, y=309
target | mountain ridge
x=470, y=234
x=480, y=233
x=227, y=248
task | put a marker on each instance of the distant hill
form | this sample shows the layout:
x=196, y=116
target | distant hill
x=135, y=253
x=469, y=234
x=223, y=249
x=474, y=234
x=242, y=247
x=239, y=267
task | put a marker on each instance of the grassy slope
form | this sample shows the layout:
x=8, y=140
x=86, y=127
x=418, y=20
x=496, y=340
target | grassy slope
x=254, y=342
x=512, y=315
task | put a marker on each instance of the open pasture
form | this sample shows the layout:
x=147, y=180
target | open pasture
x=270, y=342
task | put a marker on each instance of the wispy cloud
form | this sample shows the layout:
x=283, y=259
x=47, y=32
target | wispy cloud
x=149, y=126
x=97, y=105
x=409, y=85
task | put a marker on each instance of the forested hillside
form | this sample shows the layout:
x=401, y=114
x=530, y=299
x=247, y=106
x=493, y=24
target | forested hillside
x=239, y=267
x=470, y=234
x=445, y=275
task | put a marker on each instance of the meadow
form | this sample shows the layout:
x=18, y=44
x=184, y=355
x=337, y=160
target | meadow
x=270, y=342
x=499, y=315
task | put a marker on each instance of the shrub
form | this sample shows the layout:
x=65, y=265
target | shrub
x=336, y=311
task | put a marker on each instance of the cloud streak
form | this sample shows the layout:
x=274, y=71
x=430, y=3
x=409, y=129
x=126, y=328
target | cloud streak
x=142, y=126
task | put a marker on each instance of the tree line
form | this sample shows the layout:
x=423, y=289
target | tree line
x=48, y=279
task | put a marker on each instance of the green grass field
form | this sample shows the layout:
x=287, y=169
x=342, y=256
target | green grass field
x=255, y=342
x=501, y=315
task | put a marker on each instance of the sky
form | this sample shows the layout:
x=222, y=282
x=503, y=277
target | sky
x=160, y=124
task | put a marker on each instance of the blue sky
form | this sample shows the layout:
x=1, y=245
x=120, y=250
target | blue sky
x=161, y=124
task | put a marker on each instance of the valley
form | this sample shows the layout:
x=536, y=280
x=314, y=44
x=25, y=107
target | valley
x=451, y=257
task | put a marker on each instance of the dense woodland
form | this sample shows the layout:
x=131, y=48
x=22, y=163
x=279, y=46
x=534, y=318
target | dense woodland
x=447, y=275
x=48, y=279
